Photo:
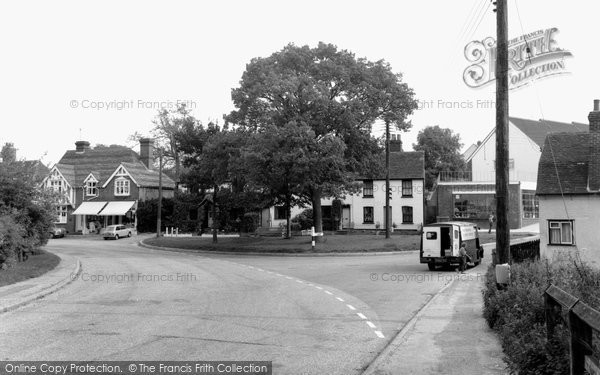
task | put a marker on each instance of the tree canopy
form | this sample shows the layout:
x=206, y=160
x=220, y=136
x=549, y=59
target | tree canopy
x=442, y=152
x=335, y=95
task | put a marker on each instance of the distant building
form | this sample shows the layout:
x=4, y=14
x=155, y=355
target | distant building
x=569, y=193
x=104, y=185
x=470, y=195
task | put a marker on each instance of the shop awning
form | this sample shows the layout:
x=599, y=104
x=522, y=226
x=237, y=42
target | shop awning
x=89, y=208
x=117, y=208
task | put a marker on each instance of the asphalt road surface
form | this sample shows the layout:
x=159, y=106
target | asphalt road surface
x=309, y=315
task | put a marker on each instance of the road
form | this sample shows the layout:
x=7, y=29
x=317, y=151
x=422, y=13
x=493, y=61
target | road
x=309, y=315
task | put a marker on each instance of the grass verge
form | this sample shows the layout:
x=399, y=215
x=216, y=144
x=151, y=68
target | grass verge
x=328, y=244
x=35, y=266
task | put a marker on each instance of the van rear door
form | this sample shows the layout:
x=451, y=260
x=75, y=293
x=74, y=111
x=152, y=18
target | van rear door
x=431, y=242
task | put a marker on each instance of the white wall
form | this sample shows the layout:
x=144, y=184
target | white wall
x=583, y=209
x=357, y=202
x=525, y=153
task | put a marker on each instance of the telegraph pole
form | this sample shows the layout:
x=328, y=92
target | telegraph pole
x=502, y=176
x=387, y=180
x=159, y=213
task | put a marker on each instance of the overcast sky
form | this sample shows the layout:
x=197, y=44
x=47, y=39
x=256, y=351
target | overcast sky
x=60, y=59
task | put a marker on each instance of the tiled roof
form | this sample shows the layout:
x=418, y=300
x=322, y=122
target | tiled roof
x=564, y=159
x=147, y=177
x=102, y=162
x=403, y=165
x=537, y=130
x=407, y=165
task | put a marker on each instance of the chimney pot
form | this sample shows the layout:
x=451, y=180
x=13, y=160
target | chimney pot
x=596, y=105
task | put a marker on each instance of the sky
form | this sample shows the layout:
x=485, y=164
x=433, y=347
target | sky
x=100, y=71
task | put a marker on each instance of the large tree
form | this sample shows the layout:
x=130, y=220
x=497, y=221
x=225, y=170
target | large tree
x=335, y=94
x=284, y=161
x=442, y=152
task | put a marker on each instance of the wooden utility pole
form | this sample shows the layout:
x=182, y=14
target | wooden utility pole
x=159, y=211
x=502, y=176
x=387, y=180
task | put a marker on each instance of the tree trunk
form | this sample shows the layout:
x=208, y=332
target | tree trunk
x=214, y=215
x=317, y=214
x=288, y=226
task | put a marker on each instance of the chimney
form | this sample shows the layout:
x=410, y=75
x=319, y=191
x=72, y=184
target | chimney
x=147, y=152
x=594, y=158
x=81, y=146
x=395, y=143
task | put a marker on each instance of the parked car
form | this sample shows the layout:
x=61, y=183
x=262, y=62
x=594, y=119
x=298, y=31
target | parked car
x=116, y=232
x=56, y=232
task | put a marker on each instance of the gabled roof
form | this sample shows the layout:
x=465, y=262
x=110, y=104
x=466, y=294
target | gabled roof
x=147, y=177
x=565, y=159
x=469, y=151
x=102, y=162
x=537, y=130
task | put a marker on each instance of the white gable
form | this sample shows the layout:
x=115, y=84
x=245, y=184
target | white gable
x=120, y=172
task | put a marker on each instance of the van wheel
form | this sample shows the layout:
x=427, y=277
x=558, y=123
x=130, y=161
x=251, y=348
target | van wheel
x=431, y=266
x=116, y=236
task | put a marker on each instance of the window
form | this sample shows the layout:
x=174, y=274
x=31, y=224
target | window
x=121, y=186
x=431, y=235
x=560, y=232
x=407, y=214
x=61, y=214
x=473, y=207
x=368, y=215
x=531, y=206
x=368, y=188
x=280, y=213
x=407, y=190
x=91, y=188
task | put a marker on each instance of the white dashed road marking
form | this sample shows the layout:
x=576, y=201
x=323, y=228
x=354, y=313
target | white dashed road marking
x=360, y=315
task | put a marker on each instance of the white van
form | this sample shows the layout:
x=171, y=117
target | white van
x=440, y=243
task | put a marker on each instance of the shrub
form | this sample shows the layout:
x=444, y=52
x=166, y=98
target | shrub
x=517, y=313
x=11, y=239
x=304, y=219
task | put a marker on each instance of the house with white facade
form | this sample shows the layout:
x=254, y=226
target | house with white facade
x=569, y=193
x=470, y=195
x=366, y=209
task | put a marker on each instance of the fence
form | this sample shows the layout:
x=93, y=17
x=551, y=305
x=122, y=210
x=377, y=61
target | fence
x=529, y=250
x=582, y=321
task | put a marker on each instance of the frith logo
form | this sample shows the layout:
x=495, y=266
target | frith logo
x=530, y=57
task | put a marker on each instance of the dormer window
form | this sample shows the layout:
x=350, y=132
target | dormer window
x=91, y=186
x=121, y=186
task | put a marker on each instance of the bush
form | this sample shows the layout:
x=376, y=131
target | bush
x=304, y=219
x=517, y=313
x=12, y=240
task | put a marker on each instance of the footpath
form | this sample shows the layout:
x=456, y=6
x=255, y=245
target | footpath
x=19, y=294
x=449, y=334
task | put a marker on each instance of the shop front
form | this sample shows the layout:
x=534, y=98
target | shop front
x=91, y=217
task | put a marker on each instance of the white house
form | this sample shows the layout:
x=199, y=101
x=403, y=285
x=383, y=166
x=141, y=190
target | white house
x=569, y=193
x=471, y=195
x=366, y=210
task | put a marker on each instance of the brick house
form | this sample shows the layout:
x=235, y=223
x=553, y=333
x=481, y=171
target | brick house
x=569, y=193
x=104, y=185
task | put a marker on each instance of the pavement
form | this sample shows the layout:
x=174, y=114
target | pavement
x=22, y=293
x=447, y=335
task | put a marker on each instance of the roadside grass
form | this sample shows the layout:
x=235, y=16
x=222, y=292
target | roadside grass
x=35, y=266
x=302, y=244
